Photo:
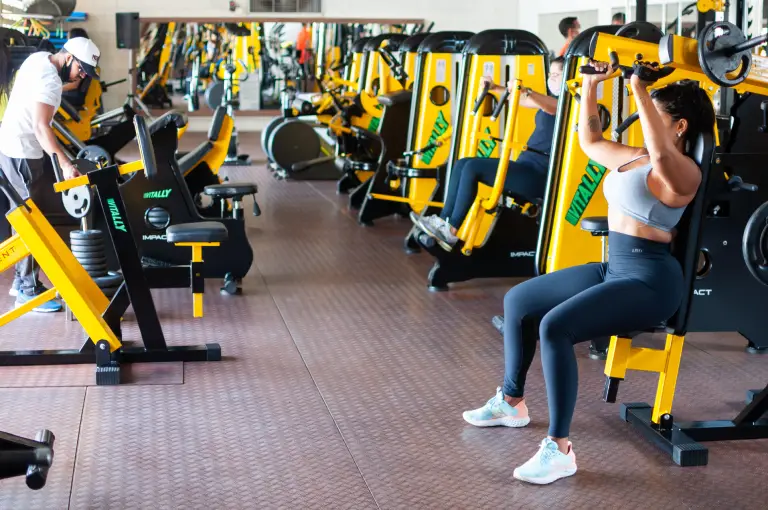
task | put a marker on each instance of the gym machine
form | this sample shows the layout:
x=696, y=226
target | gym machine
x=717, y=209
x=101, y=318
x=498, y=236
x=152, y=205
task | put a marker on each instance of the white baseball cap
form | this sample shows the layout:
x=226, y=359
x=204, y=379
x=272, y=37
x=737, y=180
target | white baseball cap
x=86, y=53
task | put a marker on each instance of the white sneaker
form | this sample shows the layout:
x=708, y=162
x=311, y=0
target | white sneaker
x=549, y=464
x=497, y=412
x=437, y=228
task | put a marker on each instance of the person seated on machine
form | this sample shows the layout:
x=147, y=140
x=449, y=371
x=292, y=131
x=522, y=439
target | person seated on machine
x=526, y=176
x=641, y=285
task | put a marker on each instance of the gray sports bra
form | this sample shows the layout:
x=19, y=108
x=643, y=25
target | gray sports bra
x=628, y=191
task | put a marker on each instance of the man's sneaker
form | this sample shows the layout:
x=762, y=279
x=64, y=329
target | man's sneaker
x=14, y=289
x=49, y=306
x=549, y=464
x=497, y=412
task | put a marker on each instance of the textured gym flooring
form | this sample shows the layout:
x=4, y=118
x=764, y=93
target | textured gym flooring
x=342, y=386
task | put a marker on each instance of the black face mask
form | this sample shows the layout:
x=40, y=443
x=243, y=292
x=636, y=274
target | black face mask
x=66, y=71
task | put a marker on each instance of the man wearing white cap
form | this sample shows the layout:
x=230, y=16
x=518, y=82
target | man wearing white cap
x=26, y=136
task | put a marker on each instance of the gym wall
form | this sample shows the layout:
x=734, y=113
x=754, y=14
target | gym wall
x=447, y=15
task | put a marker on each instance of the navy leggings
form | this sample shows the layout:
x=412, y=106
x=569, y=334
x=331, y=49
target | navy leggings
x=638, y=288
x=523, y=178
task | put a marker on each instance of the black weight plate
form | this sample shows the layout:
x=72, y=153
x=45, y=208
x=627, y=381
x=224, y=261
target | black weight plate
x=87, y=250
x=101, y=269
x=293, y=141
x=110, y=280
x=713, y=59
x=86, y=234
x=267, y=132
x=754, y=244
x=92, y=260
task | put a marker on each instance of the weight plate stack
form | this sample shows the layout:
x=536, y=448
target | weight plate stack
x=88, y=248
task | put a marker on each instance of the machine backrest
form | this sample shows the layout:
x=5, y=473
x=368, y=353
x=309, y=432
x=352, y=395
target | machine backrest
x=687, y=241
x=216, y=122
x=171, y=118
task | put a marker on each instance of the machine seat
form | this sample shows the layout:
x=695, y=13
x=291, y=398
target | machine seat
x=394, y=98
x=230, y=189
x=597, y=225
x=191, y=159
x=200, y=232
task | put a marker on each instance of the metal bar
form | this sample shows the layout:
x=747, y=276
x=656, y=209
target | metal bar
x=120, y=233
x=207, y=352
x=642, y=10
x=679, y=18
x=746, y=45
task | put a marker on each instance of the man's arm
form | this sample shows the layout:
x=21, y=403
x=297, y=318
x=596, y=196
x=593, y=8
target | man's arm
x=41, y=118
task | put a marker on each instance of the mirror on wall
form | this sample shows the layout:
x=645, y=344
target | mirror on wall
x=196, y=67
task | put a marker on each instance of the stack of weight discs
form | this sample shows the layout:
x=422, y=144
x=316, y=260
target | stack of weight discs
x=88, y=248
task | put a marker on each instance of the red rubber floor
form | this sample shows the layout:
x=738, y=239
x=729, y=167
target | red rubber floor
x=342, y=386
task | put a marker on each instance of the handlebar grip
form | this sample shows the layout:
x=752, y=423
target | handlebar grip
x=146, y=150
x=303, y=165
x=500, y=105
x=57, y=171
x=481, y=98
x=71, y=110
x=627, y=122
x=613, y=60
x=424, y=149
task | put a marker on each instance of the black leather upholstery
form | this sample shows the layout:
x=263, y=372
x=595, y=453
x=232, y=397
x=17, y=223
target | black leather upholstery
x=402, y=96
x=218, y=119
x=199, y=232
x=595, y=224
x=191, y=159
x=177, y=119
x=231, y=189
x=687, y=241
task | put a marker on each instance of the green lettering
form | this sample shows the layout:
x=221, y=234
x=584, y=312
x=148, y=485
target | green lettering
x=115, y=213
x=591, y=179
x=486, y=147
x=440, y=127
x=374, y=125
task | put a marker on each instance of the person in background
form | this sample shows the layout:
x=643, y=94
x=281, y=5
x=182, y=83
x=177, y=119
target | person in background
x=526, y=176
x=26, y=137
x=619, y=19
x=570, y=28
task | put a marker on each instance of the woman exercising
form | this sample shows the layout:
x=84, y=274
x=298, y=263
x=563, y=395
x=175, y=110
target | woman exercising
x=527, y=176
x=641, y=285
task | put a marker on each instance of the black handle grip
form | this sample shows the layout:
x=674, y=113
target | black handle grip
x=627, y=122
x=481, y=98
x=500, y=105
x=57, y=172
x=613, y=60
x=71, y=110
x=303, y=165
x=422, y=150
x=105, y=86
x=146, y=150
x=736, y=183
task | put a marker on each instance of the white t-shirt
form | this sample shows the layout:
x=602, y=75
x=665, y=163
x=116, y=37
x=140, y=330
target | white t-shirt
x=36, y=81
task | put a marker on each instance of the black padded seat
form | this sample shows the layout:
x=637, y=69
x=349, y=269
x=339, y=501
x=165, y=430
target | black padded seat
x=598, y=225
x=218, y=119
x=231, y=189
x=402, y=96
x=172, y=118
x=192, y=158
x=199, y=232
